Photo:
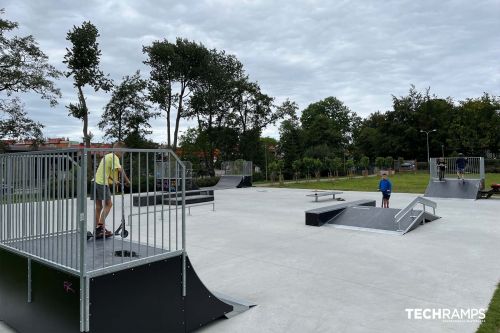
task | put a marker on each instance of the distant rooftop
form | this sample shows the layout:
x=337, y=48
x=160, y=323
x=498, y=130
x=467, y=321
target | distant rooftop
x=49, y=144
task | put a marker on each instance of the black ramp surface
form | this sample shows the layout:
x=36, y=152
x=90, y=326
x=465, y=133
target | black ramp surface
x=375, y=218
x=226, y=182
x=201, y=305
x=147, y=298
x=319, y=216
x=151, y=297
x=367, y=217
x=453, y=188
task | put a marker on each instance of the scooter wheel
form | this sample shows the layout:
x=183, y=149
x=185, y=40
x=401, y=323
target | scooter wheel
x=124, y=233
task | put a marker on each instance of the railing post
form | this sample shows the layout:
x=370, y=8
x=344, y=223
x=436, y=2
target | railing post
x=82, y=226
x=10, y=193
x=482, y=175
x=183, y=216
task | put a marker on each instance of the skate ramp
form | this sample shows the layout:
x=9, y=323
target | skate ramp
x=362, y=215
x=227, y=182
x=453, y=188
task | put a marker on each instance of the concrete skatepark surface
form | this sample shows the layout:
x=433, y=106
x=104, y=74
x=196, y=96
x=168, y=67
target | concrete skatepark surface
x=255, y=246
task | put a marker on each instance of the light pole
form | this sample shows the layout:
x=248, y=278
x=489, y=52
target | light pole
x=428, y=155
x=265, y=156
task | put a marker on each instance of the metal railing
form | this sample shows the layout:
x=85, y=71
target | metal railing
x=408, y=210
x=168, y=175
x=39, y=208
x=48, y=212
x=237, y=168
x=474, y=168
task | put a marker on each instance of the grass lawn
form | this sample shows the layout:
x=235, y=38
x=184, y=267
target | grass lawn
x=491, y=323
x=401, y=182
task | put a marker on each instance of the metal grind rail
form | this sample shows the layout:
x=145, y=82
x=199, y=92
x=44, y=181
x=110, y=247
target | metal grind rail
x=408, y=210
x=47, y=211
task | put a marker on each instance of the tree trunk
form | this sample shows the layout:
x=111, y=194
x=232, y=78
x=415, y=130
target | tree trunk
x=169, y=108
x=86, y=137
x=120, y=137
x=178, y=116
x=83, y=105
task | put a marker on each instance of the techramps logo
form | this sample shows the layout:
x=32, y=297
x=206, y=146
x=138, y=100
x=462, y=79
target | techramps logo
x=447, y=315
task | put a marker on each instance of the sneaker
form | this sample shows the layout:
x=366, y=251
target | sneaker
x=101, y=232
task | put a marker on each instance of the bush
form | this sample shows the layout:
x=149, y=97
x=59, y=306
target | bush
x=380, y=162
x=492, y=166
x=258, y=176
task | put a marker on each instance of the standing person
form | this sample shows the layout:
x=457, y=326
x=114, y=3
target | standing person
x=441, y=168
x=385, y=187
x=461, y=164
x=107, y=175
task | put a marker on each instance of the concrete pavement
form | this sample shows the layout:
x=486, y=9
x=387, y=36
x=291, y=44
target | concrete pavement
x=256, y=246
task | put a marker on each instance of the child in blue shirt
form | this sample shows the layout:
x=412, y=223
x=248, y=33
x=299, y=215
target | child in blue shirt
x=385, y=187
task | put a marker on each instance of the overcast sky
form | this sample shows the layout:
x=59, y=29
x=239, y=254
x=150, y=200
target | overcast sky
x=361, y=51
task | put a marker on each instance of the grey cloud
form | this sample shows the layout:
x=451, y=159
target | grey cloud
x=361, y=52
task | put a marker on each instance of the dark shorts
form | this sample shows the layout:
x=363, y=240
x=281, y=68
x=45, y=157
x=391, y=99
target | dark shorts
x=386, y=195
x=461, y=170
x=100, y=192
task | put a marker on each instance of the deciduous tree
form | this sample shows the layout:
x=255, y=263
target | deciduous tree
x=128, y=110
x=23, y=68
x=82, y=59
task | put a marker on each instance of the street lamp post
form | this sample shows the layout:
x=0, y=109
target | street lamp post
x=265, y=156
x=428, y=155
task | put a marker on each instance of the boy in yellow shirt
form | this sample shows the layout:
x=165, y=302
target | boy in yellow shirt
x=108, y=173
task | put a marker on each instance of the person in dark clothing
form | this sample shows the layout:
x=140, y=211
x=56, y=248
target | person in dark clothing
x=461, y=164
x=441, y=166
x=385, y=187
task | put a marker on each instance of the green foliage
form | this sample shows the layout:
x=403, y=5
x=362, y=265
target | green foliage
x=128, y=111
x=230, y=111
x=328, y=122
x=389, y=162
x=469, y=126
x=297, y=165
x=82, y=60
x=349, y=164
x=364, y=162
x=380, y=162
x=491, y=323
x=276, y=168
x=23, y=68
x=308, y=165
x=290, y=144
x=336, y=165
x=136, y=140
x=320, y=152
x=182, y=65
